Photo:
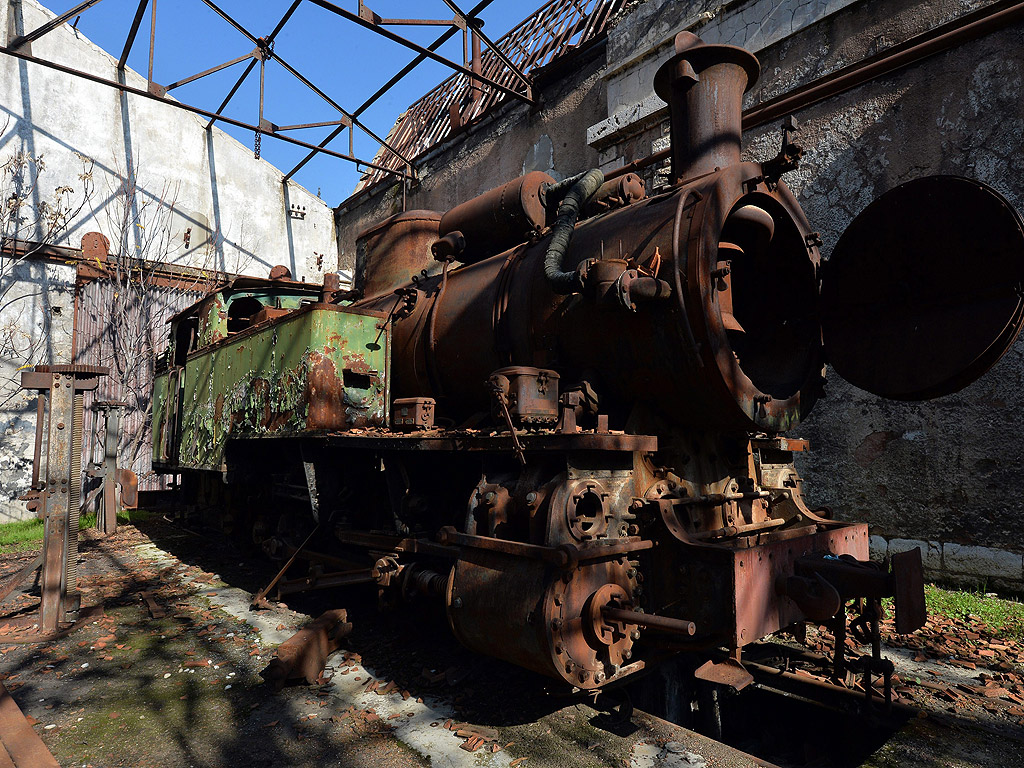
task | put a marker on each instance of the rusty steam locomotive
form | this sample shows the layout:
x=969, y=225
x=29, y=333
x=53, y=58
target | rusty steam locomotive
x=559, y=409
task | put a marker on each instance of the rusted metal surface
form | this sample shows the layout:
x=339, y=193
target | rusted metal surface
x=606, y=480
x=390, y=254
x=109, y=473
x=20, y=746
x=704, y=86
x=61, y=388
x=304, y=655
x=413, y=413
x=499, y=219
x=317, y=368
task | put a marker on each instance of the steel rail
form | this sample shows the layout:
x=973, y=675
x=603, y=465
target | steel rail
x=130, y=41
x=209, y=71
x=196, y=110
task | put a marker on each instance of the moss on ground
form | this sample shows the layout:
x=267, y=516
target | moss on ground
x=1004, y=617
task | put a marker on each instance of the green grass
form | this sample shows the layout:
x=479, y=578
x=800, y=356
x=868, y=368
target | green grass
x=1004, y=617
x=21, y=535
x=27, y=535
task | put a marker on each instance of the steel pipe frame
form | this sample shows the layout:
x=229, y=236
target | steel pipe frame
x=441, y=40
x=302, y=79
x=348, y=15
x=478, y=30
x=348, y=120
x=130, y=41
x=196, y=110
x=270, y=40
x=51, y=25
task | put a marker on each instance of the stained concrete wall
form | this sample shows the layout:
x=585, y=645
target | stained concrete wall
x=182, y=179
x=944, y=474
x=511, y=140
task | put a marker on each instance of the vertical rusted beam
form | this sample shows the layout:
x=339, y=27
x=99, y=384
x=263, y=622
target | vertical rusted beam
x=136, y=23
x=106, y=518
x=475, y=65
x=37, y=452
x=152, y=40
x=62, y=389
x=55, y=499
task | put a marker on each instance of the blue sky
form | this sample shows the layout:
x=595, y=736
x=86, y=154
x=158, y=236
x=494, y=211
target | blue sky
x=345, y=61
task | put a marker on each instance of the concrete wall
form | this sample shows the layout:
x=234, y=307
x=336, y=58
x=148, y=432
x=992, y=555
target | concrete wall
x=126, y=159
x=505, y=144
x=943, y=474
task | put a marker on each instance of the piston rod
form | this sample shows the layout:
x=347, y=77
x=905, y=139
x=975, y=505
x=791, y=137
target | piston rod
x=664, y=623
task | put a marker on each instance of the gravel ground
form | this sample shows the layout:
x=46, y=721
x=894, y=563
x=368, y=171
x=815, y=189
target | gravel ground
x=137, y=688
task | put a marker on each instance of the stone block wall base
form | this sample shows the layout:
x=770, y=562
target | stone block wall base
x=960, y=565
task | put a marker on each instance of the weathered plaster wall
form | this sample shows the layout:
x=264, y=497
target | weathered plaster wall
x=181, y=179
x=237, y=207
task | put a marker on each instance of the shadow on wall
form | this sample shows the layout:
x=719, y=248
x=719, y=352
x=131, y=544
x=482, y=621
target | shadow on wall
x=195, y=242
x=945, y=470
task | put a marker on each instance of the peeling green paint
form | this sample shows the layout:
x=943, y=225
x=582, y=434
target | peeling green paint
x=318, y=369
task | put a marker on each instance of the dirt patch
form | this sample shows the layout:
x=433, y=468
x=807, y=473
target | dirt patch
x=132, y=689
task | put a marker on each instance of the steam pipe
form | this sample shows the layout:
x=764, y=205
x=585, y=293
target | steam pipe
x=561, y=233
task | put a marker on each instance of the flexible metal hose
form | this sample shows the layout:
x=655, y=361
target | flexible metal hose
x=582, y=189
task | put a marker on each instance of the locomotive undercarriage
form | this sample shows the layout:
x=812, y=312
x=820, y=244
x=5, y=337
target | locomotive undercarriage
x=585, y=563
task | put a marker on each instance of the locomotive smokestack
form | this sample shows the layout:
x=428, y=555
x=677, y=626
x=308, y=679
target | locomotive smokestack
x=704, y=87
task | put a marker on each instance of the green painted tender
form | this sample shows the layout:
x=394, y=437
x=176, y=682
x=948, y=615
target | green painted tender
x=261, y=359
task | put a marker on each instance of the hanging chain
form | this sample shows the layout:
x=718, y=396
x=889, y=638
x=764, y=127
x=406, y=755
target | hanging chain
x=266, y=51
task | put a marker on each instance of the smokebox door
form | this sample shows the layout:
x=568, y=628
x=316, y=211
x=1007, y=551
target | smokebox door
x=923, y=292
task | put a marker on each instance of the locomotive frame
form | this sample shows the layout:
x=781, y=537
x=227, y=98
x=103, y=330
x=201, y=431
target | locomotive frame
x=558, y=409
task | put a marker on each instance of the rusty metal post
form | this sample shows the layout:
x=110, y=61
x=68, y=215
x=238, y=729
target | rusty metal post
x=63, y=387
x=475, y=64
x=106, y=517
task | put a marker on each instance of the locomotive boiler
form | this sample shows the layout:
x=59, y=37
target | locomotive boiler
x=558, y=411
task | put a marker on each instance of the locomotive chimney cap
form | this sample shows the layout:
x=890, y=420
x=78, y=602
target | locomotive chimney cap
x=692, y=51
